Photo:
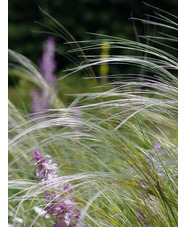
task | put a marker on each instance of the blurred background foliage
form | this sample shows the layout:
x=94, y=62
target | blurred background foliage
x=109, y=17
x=29, y=28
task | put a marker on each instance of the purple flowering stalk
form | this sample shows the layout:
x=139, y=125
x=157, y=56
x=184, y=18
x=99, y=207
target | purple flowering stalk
x=46, y=170
x=40, y=98
x=62, y=209
x=47, y=63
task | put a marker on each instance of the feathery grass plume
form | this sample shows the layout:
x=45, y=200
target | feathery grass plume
x=117, y=164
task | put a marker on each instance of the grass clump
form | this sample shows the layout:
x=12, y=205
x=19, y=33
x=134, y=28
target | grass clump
x=116, y=145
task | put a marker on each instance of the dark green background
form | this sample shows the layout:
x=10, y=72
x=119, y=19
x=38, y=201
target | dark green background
x=110, y=17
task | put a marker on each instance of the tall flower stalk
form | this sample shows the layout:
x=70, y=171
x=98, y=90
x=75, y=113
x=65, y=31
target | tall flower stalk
x=41, y=99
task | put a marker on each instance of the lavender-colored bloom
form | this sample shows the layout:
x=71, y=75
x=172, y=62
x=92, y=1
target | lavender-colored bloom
x=37, y=156
x=67, y=188
x=47, y=63
x=63, y=210
x=46, y=170
x=158, y=149
x=157, y=146
x=40, y=98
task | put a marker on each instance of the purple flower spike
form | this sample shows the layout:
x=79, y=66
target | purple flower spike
x=67, y=188
x=41, y=98
x=46, y=170
x=47, y=63
x=62, y=209
x=37, y=156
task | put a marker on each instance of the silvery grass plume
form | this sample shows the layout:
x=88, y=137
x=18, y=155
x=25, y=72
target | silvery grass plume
x=122, y=164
